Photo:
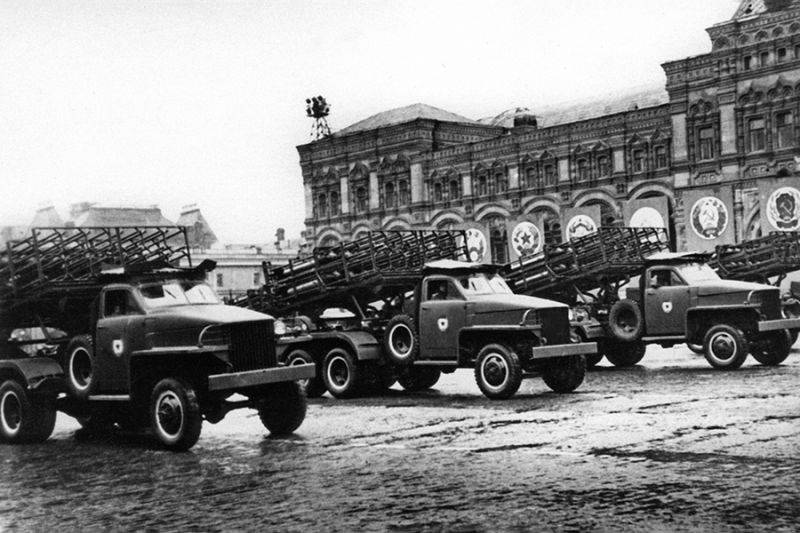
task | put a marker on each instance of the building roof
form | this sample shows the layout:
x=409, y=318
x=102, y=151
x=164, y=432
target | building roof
x=46, y=216
x=93, y=215
x=199, y=232
x=584, y=109
x=402, y=115
x=751, y=8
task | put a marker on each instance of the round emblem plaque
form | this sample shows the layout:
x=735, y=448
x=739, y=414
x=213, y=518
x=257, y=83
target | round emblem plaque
x=647, y=217
x=709, y=218
x=526, y=239
x=783, y=209
x=476, y=245
x=579, y=226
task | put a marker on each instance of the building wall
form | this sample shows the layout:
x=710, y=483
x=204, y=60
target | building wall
x=708, y=161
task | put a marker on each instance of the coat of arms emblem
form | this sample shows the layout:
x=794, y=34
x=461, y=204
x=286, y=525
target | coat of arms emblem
x=526, y=239
x=783, y=209
x=709, y=218
x=647, y=217
x=579, y=226
x=476, y=245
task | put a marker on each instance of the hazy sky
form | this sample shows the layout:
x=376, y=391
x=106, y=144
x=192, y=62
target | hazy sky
x=172, y=103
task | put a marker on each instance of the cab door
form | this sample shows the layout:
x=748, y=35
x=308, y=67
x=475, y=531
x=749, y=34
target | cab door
x=443, y=312
x=120, y=331
x=666, y=298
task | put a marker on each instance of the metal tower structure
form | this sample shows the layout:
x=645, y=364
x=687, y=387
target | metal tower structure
x=318, y=109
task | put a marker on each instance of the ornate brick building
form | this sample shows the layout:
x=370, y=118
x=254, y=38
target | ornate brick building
x=714, y=157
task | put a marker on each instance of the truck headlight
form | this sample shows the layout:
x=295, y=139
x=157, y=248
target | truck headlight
x=280, y=327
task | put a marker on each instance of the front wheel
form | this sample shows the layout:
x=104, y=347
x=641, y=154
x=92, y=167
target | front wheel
x=565, y=374
x=175, y=414
x=498, y=372
x=283, y=409
x=725, y=347
x=24, y=418
x=313, y=387
x=341, y=373
x=774, y=350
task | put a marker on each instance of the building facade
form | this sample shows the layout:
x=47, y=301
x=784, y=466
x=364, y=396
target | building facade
x=713, y=157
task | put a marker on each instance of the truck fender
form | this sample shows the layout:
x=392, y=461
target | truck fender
x=39, y=374
x=589, y=329
x=362, y=344
x=698, y=320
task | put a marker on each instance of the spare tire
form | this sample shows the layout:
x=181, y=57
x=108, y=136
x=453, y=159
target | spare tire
x=80, y=367
x=625, y=321
x=401, y=341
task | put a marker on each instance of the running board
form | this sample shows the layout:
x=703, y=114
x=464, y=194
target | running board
x=110, y=398
x=436, y=363
x=670, y=338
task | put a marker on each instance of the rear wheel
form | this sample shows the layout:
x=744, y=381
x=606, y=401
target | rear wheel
x=401, y=342
x=565, y=374
x=419, y=378
x=498, y=372
x=80, y=367
x=725, y=347
x=313, y=387
x=283, y=409
x=175, y=414
x=24, y=417
x=625, y=354
x=774, y=350
x=341, y=373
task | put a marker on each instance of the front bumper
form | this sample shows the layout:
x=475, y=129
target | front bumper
x=264, y=376
x=563, y=350
x=775, y=325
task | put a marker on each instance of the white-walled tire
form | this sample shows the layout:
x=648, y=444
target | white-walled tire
x=24, y=418
x=341, y=373
x=498, y=372
x=175, y=414
x=80, y=367
x=725, y=347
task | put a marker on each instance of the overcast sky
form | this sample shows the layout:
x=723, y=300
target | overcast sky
x=172, y=103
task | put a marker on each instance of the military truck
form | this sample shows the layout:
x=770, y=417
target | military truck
x=418, y=311
x=678, y=299
x=129, y=339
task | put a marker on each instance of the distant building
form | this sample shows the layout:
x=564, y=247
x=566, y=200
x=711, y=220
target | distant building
x=714, y=156
x=198, y=231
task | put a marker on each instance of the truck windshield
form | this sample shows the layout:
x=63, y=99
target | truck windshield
x=478, y=284
x=694, y=273
x=171, y=293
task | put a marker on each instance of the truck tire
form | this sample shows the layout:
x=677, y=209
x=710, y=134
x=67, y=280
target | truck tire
x=696, y=348
x=24, y=418
x=175, y=414
x=401, y=341
x=625, y=354
x=377, y=379
x=625, y=321
x=312, y=387
x=341, y=373
x=498, y=372
x=725, y=347
x=80, y=367
x=419, y=378
x=283, y=409
x=774, y=350
x=565, y=374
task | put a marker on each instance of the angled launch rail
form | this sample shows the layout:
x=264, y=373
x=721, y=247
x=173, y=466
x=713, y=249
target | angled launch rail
x=770, y=257
x=607, y=258
x=56, y=264
x=380, y=265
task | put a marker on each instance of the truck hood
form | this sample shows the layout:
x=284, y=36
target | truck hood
x=511, y=302
x=729, y=287
x=209, y=314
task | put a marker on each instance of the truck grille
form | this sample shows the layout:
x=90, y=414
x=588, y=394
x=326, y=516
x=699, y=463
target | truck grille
x=252, y=346
x=555, y=325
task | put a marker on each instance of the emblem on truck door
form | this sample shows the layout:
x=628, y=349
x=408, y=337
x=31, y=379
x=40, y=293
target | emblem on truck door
x=443, y=323
x=118, y=347
x=667, y=307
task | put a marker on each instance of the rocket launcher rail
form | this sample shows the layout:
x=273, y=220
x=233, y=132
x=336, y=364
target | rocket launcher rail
x=609, y=256
x=380, y=264
x=774, y=255
x=55, y=262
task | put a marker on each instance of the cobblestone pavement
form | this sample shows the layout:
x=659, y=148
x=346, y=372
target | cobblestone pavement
x=668, y=445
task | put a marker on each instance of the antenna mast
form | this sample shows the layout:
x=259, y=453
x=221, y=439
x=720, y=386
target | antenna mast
x=318, y=109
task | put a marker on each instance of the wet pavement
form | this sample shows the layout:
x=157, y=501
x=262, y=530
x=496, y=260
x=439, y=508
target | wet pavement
x=668, y=445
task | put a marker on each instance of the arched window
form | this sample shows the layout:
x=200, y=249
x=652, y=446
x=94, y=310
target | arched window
x=389, y=197
x=334, y=201
x=322, y=206
x=500, y=180
x=361, y=200
x=403, y=187
x=437, y=192
x=455, y=189
x=661, y=156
